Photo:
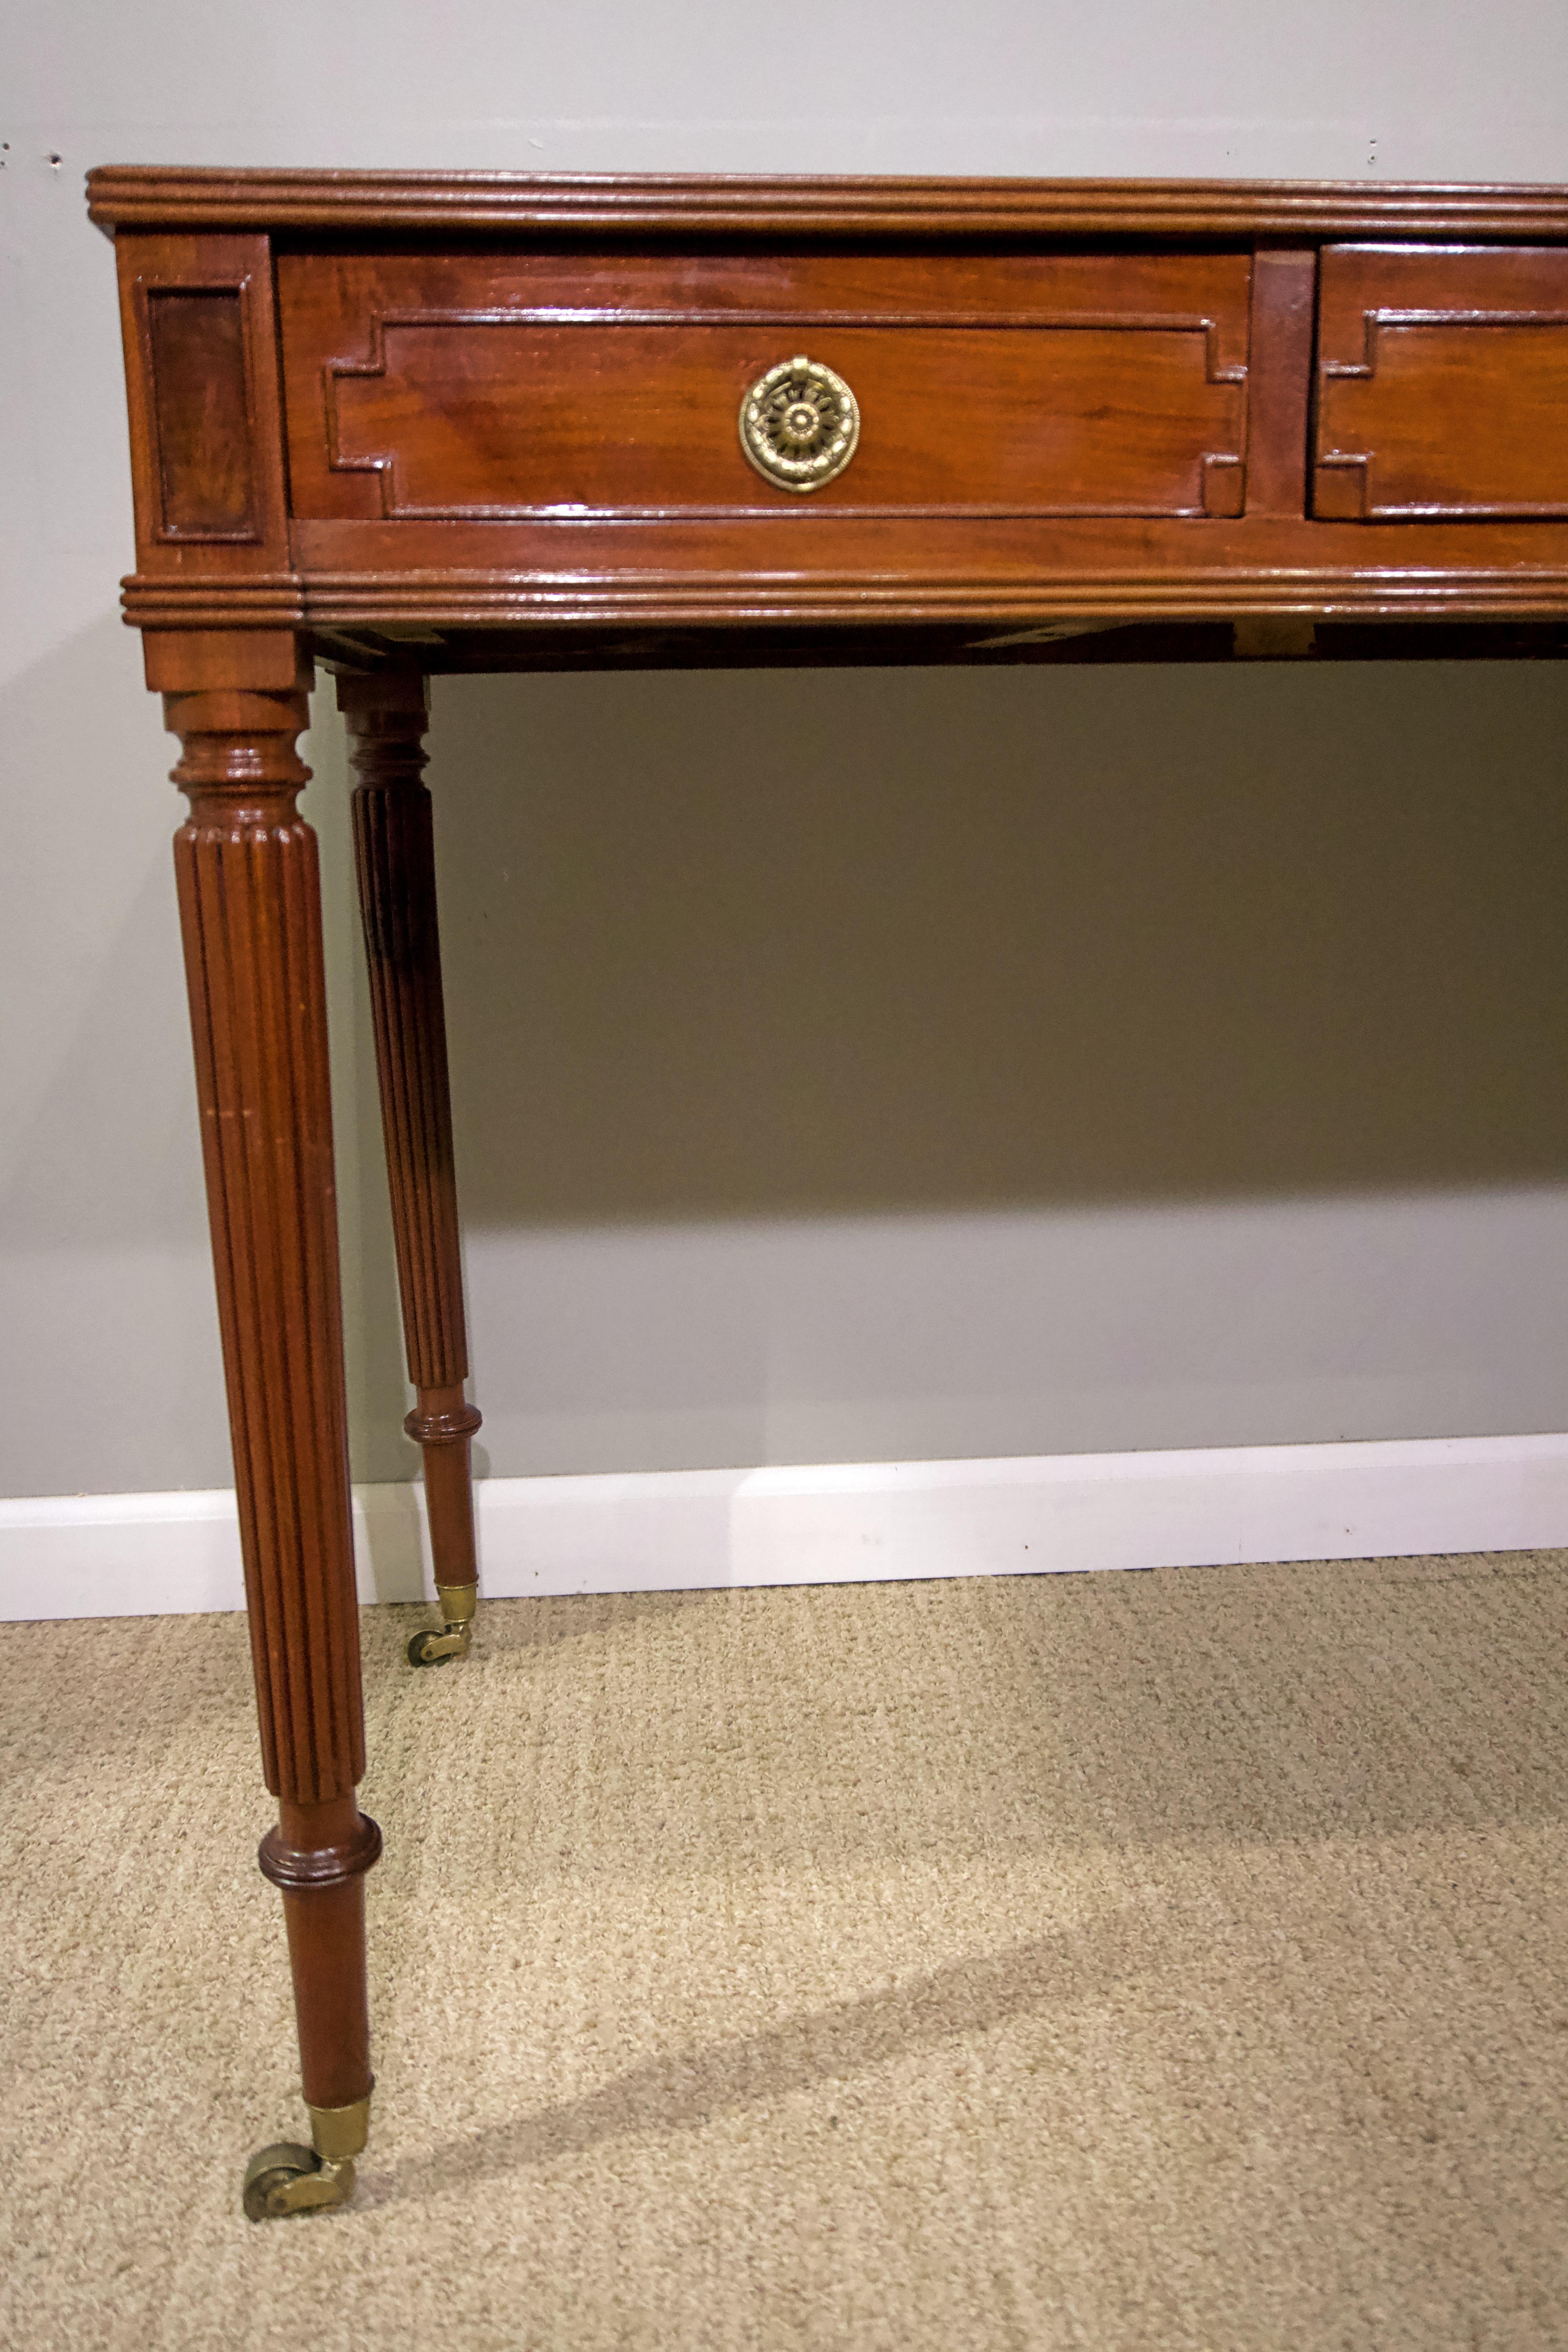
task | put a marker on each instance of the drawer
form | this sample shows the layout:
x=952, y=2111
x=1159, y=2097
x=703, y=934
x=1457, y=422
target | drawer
x=426, y=387
x=1442, y=383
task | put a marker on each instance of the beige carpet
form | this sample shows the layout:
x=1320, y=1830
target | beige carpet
x=1169, y=1960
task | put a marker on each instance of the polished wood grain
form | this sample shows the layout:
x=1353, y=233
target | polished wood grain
x=326, y=1931
x=196, y=346
x=1441, y=385
x=427, y=387
x=205, y=396
x=1279, y=353
x=317, y=1857
x=394, y=860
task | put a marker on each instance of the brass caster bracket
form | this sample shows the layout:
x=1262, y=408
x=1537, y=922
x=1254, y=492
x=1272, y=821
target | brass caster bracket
x=458, y=1602
x=287, y=2178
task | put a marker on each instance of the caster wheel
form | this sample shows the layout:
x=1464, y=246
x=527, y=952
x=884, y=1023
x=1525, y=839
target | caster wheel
x=423, y=1653
x=272, y=2171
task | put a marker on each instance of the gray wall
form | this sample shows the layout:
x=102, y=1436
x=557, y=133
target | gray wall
x=847, y=1066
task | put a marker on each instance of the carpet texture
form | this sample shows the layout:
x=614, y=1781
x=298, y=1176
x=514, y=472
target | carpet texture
x=1156, y=1960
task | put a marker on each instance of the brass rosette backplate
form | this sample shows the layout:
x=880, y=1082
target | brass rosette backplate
x=799, y=424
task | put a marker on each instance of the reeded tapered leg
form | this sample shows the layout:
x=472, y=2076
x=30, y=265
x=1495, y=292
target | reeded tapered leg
x=250, y=913
x=395, y=858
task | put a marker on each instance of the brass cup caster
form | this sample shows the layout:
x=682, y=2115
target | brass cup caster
x=458, y=1602
x=287, y=2178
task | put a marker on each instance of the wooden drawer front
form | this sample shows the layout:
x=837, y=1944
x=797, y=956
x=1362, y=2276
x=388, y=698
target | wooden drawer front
x=1442, y=383
x=424, y=387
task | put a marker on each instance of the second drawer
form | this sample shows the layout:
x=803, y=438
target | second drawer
x=1441, y=376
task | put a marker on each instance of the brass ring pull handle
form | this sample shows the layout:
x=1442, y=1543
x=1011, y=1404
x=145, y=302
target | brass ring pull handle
x=799, y=424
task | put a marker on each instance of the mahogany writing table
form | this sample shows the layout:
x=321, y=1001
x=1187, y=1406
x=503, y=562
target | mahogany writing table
x=407, y=423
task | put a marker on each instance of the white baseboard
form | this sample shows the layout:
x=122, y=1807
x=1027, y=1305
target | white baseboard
x=669, y=1530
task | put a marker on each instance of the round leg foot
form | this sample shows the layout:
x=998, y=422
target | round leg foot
x=288, y=2178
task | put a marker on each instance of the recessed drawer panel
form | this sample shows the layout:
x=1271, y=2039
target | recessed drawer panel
x=424, y=388
x=1442, y=383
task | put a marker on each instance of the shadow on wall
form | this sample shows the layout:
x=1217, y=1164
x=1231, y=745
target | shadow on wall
x=796, y=946
x=752, y=944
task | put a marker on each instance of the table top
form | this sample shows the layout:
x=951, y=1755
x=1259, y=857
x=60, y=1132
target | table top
x=156, y=196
